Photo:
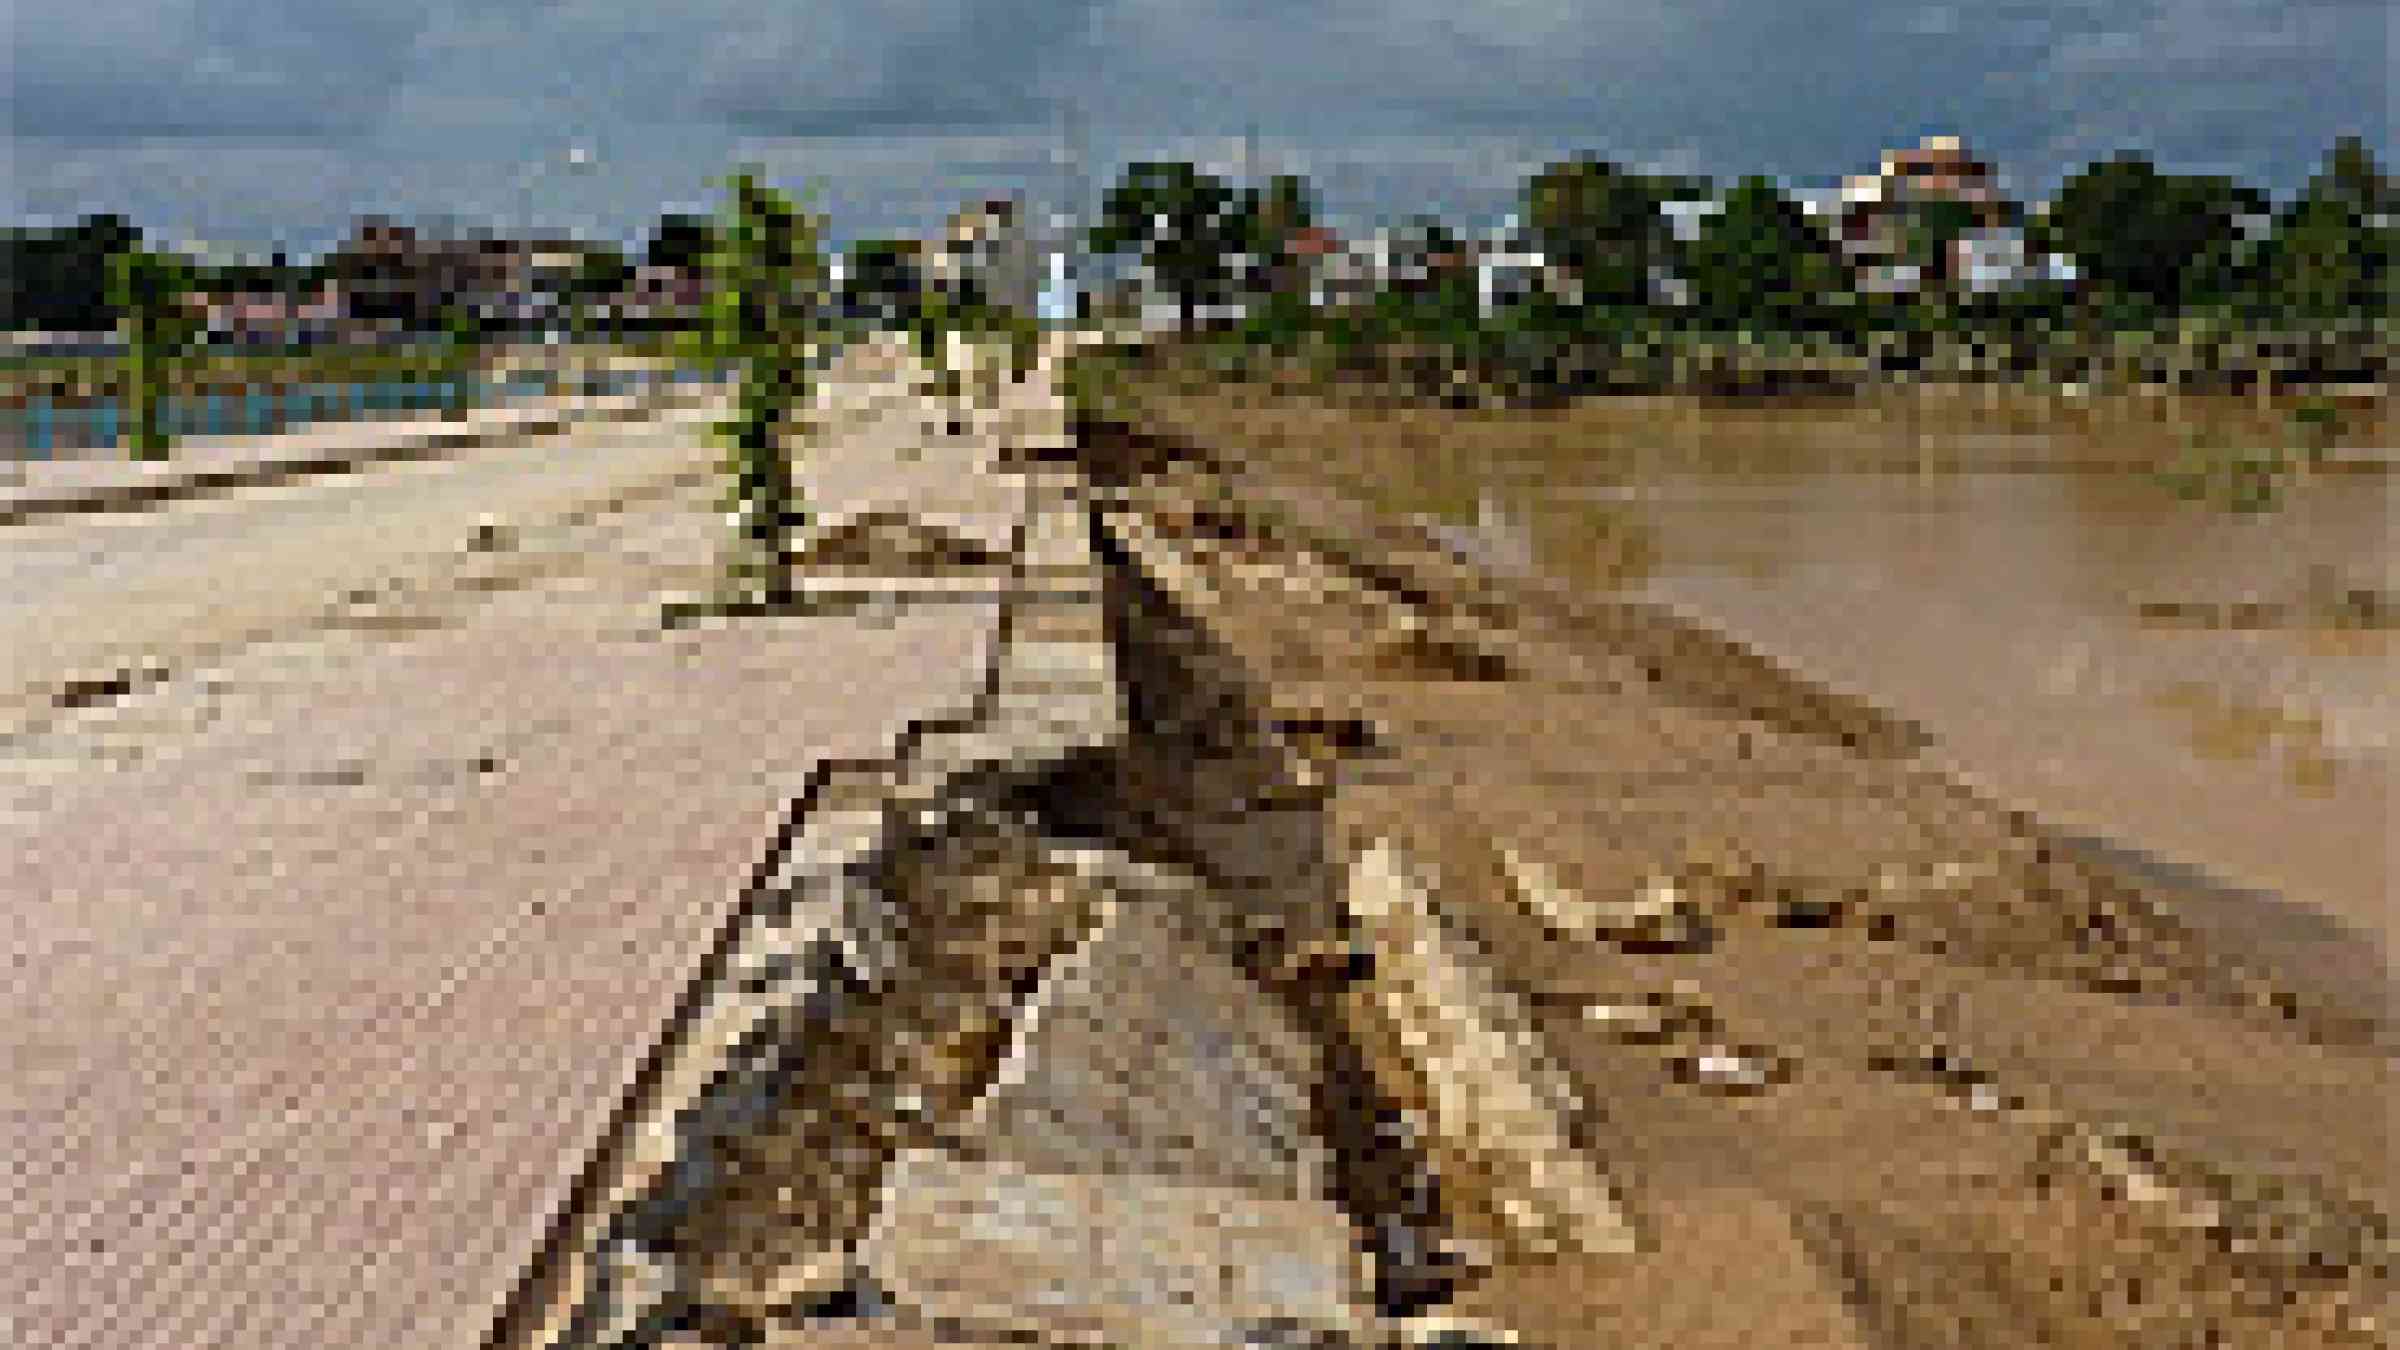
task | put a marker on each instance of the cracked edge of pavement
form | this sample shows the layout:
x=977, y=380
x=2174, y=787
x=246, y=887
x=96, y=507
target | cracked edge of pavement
x=812, y=921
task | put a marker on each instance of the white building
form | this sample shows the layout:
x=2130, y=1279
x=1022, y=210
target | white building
x=990, y=245
x=1061, y=299
x=1507, y=268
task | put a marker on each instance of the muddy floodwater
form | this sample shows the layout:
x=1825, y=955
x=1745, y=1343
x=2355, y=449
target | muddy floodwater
x=2214, y=687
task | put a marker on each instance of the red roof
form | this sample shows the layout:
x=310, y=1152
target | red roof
x=1313, y=241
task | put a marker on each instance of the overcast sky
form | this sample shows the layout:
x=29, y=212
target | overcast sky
x=254, y=122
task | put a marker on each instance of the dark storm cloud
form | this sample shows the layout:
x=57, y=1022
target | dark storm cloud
x=892, y=104
x=915, y=65
x=285, y=69
x=1799, y=87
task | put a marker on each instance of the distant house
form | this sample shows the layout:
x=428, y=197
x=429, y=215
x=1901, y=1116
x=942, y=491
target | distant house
x=1992, y=260
x=1342, y=273
x=254, y=320
x=658, y=295
x=393, y=274
x=1415, y=256
x=987, y=251
x=1879, y=214
x=1325, y=267
x=1291, y=266
x=1508, y=268
x=1312, y=241
x=1061, y=299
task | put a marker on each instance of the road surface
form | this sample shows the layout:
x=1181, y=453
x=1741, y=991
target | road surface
x=332, y=952
x=94, y=600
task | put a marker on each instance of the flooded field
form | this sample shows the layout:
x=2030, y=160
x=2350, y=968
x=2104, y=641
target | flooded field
x=2022, y=578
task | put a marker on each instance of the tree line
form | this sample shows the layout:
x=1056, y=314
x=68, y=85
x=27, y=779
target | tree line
x=57, y=279
x=2146, y=245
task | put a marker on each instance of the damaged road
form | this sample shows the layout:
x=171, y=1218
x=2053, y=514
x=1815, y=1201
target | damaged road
x=1307, y=940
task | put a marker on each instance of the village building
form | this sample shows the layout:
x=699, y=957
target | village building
x=657, y=295
x=1878, y=216
x=247, y=319
x=1328, y=269
x=988, y=251
x=394, y=275
x=1508, y=268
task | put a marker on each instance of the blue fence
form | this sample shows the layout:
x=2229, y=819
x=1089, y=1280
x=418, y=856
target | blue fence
x=44, y=427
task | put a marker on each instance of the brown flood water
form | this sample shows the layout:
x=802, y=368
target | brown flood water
x=2210, y=687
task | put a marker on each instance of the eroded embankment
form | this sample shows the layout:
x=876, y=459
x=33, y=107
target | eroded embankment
x=1306, y=935
x=1995, y=1087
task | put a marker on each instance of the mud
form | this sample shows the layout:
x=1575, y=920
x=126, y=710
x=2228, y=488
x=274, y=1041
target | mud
x=1796, y=966
x=1832, y=1050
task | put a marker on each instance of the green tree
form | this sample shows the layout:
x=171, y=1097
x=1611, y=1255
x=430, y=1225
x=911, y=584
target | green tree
x=2351, y=177
x=2332, y=249
x=680, y=241
x=602, y=269
x=887, y=278
x=766, y=306
x=1929, y=235
x=2169, y=239
x=58, y=278
x=1604, y=225
x=151, y=291
x=1183, y=221
x=1286, y=205
x=1760, y=262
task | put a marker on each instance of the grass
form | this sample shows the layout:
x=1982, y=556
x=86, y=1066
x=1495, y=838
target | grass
x=1534, y=354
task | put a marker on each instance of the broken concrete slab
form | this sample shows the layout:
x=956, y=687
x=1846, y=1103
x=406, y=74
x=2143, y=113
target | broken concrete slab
x=1145, y=1052
x=1497, y=1109
x=1659, y=915
x=1107, y=1260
